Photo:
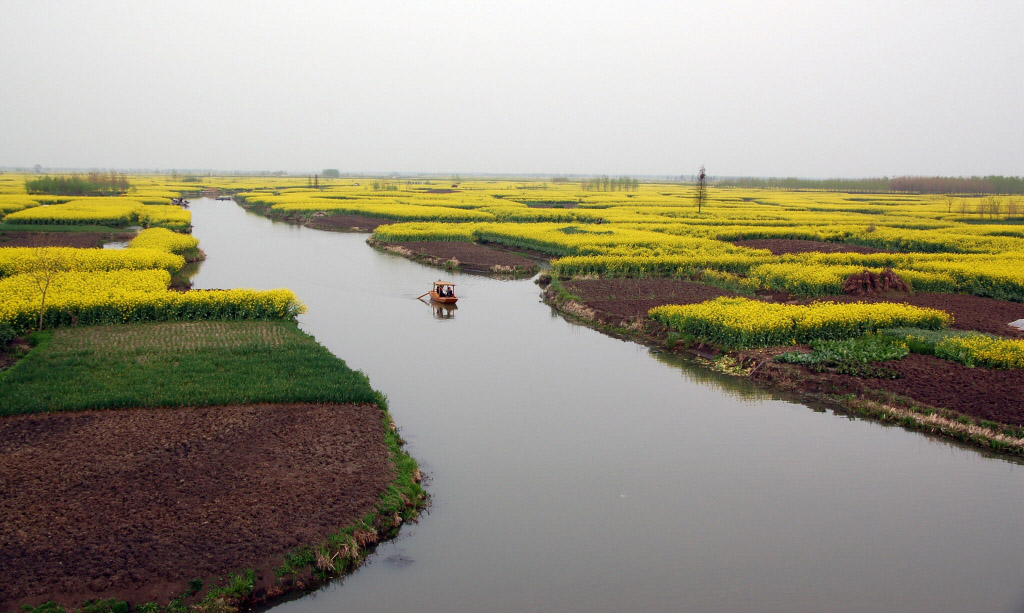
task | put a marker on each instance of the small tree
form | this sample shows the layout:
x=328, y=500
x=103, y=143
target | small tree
x=702, y=189
x=1012, y=207
x=963, y=207
x=993, y=207
x=47, y=264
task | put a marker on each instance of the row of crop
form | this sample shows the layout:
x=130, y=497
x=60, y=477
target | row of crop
x=124, y=296
x=53, y=261
x=117, y=212
x=165, y=216
x=166, y=240
x=524, y=214
x=738, y=323
x=807, y=280
x=10, y=203
x=556, y=239
x=968, y=348
x=389, y=210
x=998, y=278
x=651, y=265
x=991, y=276
x=946, y=240
x=426, y=231
x=597, y=239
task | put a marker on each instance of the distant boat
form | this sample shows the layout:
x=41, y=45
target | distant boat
x=442, y=292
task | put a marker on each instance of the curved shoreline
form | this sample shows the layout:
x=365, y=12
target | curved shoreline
x=760, y=368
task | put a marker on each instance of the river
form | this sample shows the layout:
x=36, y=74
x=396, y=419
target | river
x=572, y=471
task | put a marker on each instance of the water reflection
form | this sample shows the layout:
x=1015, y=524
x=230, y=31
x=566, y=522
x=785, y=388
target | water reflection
x=737, y=387
x=443, y=311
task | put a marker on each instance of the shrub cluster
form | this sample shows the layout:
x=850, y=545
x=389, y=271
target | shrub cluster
x=852, y=356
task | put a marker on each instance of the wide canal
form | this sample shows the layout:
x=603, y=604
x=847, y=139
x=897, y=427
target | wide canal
x=573, y=471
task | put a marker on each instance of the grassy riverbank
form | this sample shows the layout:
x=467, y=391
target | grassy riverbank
x=255, y=413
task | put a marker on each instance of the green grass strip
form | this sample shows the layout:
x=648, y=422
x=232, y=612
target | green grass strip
x=178, y=364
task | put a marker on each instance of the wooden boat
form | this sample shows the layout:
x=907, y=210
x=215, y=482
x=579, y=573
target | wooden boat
x=442, y=292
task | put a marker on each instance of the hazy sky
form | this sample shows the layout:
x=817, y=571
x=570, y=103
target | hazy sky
x=814, y=89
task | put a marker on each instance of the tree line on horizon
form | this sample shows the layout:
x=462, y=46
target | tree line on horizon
x=605, y=183
x=93, y=184
x=993, y=184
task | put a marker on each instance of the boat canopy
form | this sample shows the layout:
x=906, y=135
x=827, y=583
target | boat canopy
x=443, y=284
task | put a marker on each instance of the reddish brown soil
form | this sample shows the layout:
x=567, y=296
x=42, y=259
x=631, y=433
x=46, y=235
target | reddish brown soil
x=969, y=312
x=617, y=301
x=134, y=504
x=348, y=223
x=779, y=246
x=985, y=393
x=471, y=257
x=528, y=253
x=81, y=240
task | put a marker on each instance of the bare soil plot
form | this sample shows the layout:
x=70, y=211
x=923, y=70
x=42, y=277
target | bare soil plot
x=133, y=504
x=620, y=300
x=465, y=256
x=81, y=240
x=348, y=223
x=986, y=393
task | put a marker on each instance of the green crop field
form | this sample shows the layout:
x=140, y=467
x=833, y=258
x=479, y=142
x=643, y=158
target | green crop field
x=178, y=364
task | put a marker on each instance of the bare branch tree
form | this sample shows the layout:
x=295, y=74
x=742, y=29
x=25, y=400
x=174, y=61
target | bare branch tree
x=702, y=188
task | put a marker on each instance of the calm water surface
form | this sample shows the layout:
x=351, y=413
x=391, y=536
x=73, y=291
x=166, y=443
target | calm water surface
x=573, y=471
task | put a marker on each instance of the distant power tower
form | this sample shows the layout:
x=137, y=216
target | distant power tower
x=702, y=188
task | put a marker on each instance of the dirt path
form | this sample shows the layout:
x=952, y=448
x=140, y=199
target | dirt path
x=134, y=504
x=81, y=240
